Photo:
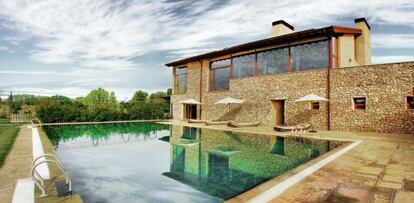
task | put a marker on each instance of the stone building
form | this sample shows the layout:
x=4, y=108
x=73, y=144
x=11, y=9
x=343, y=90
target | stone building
x=270, y=74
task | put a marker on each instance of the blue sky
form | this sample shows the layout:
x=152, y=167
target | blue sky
x=71, y=47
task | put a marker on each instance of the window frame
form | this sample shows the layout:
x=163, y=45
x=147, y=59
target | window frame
x=354, y=104
x=312, y=106
x=212, y=74
x=313, y=68
x=254, y=66
x=407, y=103
x=176, y=76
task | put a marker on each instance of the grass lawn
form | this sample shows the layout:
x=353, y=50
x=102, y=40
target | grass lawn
x=8, y=134
x=4, y=120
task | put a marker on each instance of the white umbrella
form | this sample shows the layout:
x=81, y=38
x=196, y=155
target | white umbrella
x=230, y=100
x=190, y=101
x=311, y=98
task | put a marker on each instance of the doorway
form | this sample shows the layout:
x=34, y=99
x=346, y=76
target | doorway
x=190, y=111
x=278, y=117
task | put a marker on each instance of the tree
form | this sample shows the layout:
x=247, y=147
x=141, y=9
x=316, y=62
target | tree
x=158, y=97
x=100, y=97
x=169, y=91
x=139, y=97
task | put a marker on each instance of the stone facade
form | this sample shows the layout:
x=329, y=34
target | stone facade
x=384, y=86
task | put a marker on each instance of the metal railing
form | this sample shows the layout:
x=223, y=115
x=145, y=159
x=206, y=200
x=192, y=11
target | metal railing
x=37, y=178
x=36, y=119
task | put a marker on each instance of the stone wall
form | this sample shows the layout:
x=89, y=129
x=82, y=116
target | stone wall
x=385, y=87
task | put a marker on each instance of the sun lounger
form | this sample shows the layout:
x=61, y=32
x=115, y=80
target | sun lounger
x=196, y=121
x=293, y=128
x=217, y=122
x=282, y=128
x=239, y=125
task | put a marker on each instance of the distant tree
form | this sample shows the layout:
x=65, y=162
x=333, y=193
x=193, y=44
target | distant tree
x=139, y=97
x=100, y=97
x=158, y=97
x=169, y=91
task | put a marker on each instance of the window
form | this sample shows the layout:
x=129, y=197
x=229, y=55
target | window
x=310, y=56
x=180, y=81
x=273, y=61
x=410, y=102
x=359, y=103
x=314, y=105
x=244, y=66
x=220, y=74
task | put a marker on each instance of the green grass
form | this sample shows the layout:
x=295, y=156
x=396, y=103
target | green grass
x=8, y=134
x=4, y=120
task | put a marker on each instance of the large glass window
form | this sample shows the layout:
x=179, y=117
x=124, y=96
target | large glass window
x=244, y=66
x=310, y=56
x=273, y=61
x=180, y=84
x=220, y=74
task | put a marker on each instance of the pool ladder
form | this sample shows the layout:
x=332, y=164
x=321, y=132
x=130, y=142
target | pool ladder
x=38, y=180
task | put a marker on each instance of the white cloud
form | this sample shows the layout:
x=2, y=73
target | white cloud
x=12, y=72
x=89, y=32
x=391, y=59
x=393, y=40
x=102, y=39
x=5, y=49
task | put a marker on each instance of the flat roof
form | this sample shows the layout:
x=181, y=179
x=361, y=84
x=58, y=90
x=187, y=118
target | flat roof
x=325, y=31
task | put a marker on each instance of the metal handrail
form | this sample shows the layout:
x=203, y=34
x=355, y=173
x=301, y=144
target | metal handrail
x=33, y=173
x=45, y=156
x=36, y=119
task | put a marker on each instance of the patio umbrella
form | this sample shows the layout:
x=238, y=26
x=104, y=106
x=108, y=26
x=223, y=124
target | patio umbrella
x=311, y=98
x=190, y=101
x=229, y=101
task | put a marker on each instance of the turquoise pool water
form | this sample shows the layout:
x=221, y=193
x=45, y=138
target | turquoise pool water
x=151, y=162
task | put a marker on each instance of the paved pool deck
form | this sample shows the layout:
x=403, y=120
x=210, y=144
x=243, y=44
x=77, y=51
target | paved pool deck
x=379, y=169
x=17, y=164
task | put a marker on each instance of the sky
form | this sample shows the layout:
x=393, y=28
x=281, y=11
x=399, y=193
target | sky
x=53, y=47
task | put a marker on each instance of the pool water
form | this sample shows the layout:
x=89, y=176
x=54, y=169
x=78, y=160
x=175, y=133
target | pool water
x=152, y=162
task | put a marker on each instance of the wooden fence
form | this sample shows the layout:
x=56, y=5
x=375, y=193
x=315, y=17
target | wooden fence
x=20, y=118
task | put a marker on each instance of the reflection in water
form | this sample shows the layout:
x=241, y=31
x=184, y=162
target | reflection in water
x=279, y=146
x=225, y=164
x=73, y=135
x=194, y=165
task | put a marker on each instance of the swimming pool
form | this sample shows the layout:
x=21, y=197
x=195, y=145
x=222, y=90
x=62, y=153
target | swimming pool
x=152, y=162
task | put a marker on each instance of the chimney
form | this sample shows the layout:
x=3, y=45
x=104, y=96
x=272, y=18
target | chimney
x=363, y=42
x=280, y=27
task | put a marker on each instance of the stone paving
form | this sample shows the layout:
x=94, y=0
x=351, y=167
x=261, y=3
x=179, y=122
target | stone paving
x=380, y=169
x=17, y=164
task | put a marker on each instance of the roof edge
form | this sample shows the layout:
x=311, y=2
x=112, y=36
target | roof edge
x=325, y=31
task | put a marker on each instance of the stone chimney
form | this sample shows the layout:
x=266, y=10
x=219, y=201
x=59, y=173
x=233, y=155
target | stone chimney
x=363, y=42
x=280, y=27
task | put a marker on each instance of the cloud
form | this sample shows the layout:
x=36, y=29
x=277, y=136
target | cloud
x=11, y=72
x=107, y=38
x=393, y=41
x=391, y=59
x=5, y=49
